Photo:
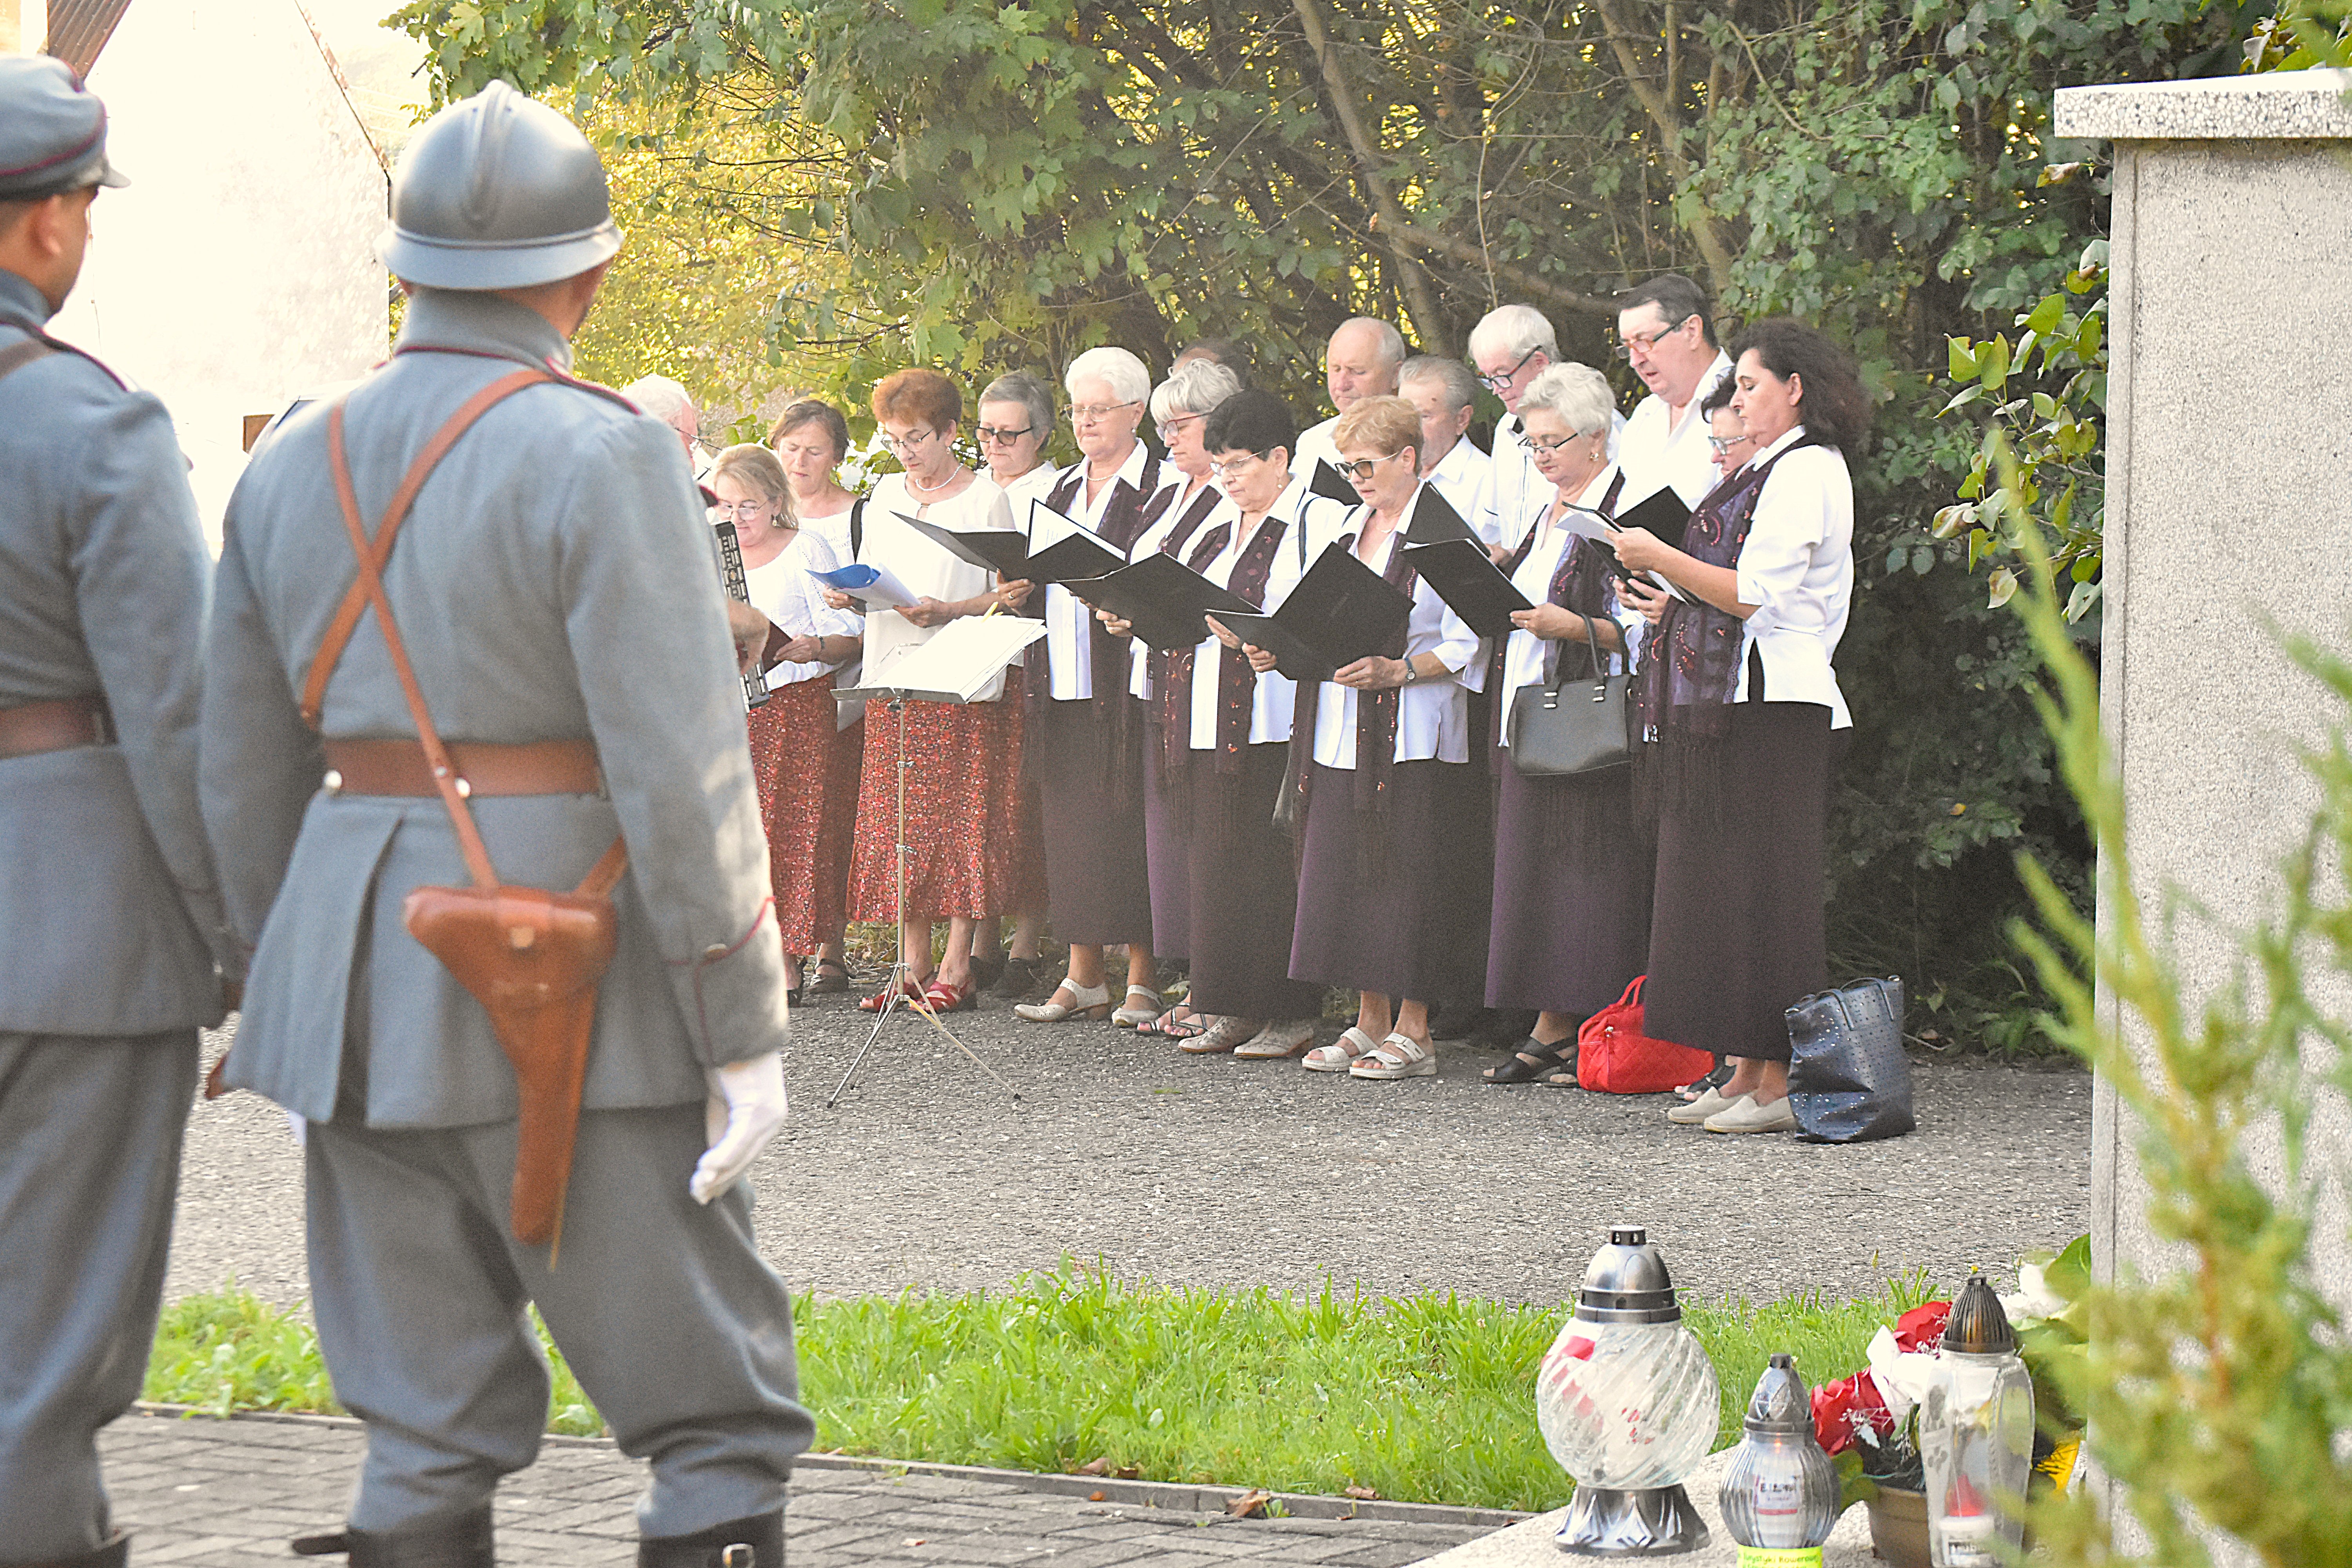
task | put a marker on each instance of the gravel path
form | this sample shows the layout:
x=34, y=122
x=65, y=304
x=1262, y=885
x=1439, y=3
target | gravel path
x=1206, y=1170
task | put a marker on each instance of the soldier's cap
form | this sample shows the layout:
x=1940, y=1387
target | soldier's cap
x=52, y=131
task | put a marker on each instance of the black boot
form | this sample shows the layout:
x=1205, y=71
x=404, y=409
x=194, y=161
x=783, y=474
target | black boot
x=114, y=1553
x=754, y=1543
x=456, y=1540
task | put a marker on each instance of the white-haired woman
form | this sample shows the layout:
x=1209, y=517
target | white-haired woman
x=793, y=736
x=1571, y=924
x=1085, y=745
x=1179, y=520
x=1016, y=424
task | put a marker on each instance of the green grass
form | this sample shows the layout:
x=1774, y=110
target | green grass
x=1425, y=1399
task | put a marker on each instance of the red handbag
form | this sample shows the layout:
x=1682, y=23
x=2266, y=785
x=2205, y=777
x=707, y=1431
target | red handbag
x=1613, y=1057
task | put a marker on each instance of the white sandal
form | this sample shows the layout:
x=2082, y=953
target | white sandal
x=1132, y=1016
x=1276, y=1040
x=1340, y=1056
x=1086, y=1000
x=1398, y=1055
x=1222, y=1035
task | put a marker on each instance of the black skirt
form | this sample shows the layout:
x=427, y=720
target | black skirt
x=1738, y=930
x=1166, y=813
x=1396, y=901
x=1572, y=914
x=1242, y=887
x=1098, y=883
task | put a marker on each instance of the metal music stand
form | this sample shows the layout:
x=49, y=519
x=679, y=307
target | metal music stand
x=900, y=970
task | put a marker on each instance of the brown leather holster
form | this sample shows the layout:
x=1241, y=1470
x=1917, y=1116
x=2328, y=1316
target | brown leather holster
x=530, y=957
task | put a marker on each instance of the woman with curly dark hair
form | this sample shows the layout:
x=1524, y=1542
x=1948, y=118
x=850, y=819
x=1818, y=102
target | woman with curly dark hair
x=1738, y=705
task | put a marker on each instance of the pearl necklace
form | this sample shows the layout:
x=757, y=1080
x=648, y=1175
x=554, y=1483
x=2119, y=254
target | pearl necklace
x=922, y=488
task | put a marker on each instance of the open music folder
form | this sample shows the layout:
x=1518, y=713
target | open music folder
x=1057, y=548
x=1433, y=519
x=1467, y=579
x=954, y=665
x=1341, y=612
x=1166, y=600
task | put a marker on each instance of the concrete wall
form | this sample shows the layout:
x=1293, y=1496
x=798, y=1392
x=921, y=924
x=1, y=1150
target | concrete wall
x=2229, y=469
x=237, y=269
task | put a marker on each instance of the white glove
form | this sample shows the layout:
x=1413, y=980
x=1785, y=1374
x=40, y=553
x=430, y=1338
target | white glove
x=746, y=1109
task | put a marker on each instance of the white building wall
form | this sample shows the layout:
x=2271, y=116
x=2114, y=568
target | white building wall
x=238, y=268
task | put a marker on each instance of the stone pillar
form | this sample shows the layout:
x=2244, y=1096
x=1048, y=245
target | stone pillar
x=2229, y=501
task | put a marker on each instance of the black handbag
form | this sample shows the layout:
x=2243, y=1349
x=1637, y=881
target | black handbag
x=1849, y=1081
x=1564, y=728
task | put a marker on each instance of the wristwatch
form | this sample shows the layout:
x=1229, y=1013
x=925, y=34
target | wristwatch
x=1411, y=674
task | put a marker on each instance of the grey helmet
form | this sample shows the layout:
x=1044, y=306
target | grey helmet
x=497, y=192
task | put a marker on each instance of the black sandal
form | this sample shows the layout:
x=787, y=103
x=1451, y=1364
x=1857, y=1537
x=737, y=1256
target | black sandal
x=832, y=978
x=1533, y=1061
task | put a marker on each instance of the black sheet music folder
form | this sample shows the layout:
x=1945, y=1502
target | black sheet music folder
x=1165, y=599
x=1469, y=579
x=1341, y=612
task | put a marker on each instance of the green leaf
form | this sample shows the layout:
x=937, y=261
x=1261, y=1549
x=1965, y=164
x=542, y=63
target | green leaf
x=1962, y=360
x=2047, y=315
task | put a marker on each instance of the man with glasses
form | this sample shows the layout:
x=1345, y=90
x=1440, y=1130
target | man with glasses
x=671, y=404
x=1511, y=345
x=1665, y=329
x=1360, y=360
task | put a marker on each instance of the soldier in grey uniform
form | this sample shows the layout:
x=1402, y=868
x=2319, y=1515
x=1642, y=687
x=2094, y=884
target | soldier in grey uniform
x=554, y=585
x=108, y=917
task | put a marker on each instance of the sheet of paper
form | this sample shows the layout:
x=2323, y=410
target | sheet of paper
x=875, y=587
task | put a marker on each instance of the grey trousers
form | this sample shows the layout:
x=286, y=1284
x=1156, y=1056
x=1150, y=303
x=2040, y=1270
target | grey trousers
x=677, y=1327
x=89, y=1165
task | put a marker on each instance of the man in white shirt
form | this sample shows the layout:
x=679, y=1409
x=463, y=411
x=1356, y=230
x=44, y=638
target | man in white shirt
x=1445, y=392
x=1666, y=330
x=1511, y=345
x=1360, y=360
x=671, y=404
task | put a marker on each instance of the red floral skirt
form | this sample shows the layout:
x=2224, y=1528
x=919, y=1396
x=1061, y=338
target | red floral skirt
x=963, y=810
x=801, y=805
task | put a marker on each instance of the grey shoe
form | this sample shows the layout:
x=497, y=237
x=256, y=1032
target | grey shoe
x=1744, y=1115
x=1694, y=1112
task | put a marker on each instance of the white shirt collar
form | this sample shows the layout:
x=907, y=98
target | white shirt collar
x=1789, y=438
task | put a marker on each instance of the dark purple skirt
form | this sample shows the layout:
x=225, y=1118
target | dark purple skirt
x=1396, y=901
x=1167, y=811
x=1244, y=891
x=1738, y=930
x=1571, y=913
x=1098, y=883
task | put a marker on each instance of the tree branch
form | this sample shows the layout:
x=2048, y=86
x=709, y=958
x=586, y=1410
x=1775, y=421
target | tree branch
x=1394, y=224
x=1662, y=114
x=1519, y=278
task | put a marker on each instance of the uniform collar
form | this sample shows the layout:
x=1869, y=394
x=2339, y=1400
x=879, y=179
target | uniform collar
x=21, y=304
x=482, y=323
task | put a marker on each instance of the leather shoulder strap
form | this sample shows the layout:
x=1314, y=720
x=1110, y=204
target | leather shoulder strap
x=355, y=600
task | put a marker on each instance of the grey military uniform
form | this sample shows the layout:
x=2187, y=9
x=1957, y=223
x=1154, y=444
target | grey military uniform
x=108, y=915
x=552, y=582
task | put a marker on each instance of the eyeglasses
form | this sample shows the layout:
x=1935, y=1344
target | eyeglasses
x=1501, y=382
x=1168, y=427
x=1225, y=468
x=1087, y=413
x=1362, y=469
x=902, y=445
x=991, y=436
x=1546, y=449
x=742, y=508
x=1724, y=444
x=1646, y=341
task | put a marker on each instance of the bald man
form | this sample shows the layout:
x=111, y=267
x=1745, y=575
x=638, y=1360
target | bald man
x=1360, y=360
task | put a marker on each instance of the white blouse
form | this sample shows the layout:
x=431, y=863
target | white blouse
x=1309, y=517
x=835, y=531
x=1523, y=653
x=1432, y=716
x=783, y=591
x=1797, y=567
x=927, y=568
x=1068, y=648
x=1031, y=485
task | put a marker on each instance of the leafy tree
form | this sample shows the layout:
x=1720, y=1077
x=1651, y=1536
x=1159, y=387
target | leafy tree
x=996, y=185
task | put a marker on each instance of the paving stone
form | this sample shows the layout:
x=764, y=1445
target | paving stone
x=253, y=1484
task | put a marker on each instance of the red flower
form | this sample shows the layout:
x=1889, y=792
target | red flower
x=1922, y=1327
x=1842, y=1409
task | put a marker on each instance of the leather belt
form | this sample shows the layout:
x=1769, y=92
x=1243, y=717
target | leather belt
x=55, y=726
x=485, y=768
